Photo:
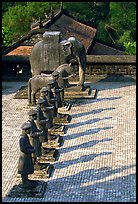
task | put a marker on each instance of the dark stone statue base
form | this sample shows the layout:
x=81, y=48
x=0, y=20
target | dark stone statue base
x=64, y=109
x=43, y=170
x=50, y=154
x=56, y=141
x=57, y=130
x=74, y=92
x=18, y=191
x=65, y=118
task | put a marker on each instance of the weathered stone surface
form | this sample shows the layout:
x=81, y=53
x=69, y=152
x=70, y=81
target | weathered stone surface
x=59, y=131
x=53, y=143
x=75, y=92
x=42, y=173
x=50, y=154
x=37, y=192
x=66, y=118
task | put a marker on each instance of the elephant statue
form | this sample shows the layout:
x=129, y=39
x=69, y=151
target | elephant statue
x=77, y=52
x=51, y=52
x=35, y=83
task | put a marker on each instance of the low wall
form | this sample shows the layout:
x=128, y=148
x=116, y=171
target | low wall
x=96, y=65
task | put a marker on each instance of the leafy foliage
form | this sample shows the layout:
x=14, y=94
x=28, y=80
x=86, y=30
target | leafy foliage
x=5, y=36
x=115, y=21
x=119, y=27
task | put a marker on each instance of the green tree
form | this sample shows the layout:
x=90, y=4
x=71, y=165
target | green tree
x=119, y=27
x=5, y=37
x=19, y=17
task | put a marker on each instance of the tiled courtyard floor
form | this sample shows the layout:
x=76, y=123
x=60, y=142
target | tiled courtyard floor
x=97, y=161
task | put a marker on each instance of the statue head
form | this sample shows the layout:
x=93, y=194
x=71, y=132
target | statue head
x=33, y=114
x=26, y=127
x=40, y=102
x=50, y=83
x=44, y=91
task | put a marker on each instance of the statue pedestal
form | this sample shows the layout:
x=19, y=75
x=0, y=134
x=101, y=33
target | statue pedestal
x=43, y=170
x=64, y=110
x=64, y=118
x=57, y=130
x=75, y=91
x=18, y=191
x=50, y=154
x=55, y=141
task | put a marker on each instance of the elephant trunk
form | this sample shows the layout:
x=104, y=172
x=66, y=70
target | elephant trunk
x=72, y=75
x=29, y=91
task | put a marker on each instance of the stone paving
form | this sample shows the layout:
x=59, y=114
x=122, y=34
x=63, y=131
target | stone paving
x=97, y=162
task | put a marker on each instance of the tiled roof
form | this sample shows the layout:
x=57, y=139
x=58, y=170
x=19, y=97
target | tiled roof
x=72, y=28
x=21, y=50
x=101, y=49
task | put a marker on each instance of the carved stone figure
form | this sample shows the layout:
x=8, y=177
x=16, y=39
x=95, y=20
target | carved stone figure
x=50, y=96
x=41, y=121
x=65, y=72
x=57, y=90
x=35, y=133
x=51, y=52
x=25, y=165
x=78, y=52
x=37, y=82
x=47, y=109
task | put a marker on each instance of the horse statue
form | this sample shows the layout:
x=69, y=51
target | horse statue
x=35, y=83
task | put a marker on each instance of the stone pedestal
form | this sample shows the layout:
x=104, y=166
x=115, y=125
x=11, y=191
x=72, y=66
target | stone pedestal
x=49, y=155
x=55, y=141
x=57, y=130
x=64, y=109
x=62, y=119
x=75, y=91
x=43, y=172
x=18, y=191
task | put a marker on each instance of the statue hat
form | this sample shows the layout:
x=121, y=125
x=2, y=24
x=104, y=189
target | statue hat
x=26, y=125
x=44, y=89
x=32, y=112
x=40, y=101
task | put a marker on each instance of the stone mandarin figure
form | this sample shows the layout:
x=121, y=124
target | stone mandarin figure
x=58, y=91
x=48, y=109
x=42, y=121
x=35, y=133
x=50, y=97
x=25, y=165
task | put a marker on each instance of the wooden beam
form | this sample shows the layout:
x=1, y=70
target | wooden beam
x=15, y=59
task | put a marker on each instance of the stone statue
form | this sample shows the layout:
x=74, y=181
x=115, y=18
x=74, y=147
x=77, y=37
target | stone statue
x=25, y=165
x=47, y=108
x=57, y=90
x=42, y=121
x=77, y=50
x=35, y=133
x=65, y=72
x=51, y=52
x=50, y=96
x=37, y=82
